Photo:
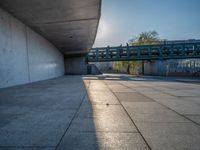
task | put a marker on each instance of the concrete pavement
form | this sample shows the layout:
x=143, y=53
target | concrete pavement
x=110, y=111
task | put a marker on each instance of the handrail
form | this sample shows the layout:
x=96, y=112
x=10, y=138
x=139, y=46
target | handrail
x=145, y=52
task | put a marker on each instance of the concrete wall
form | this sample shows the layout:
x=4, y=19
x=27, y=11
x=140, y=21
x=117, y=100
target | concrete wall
x=183, y=67
x=104, y=66
x=75, y=65
x=93, y=69
x=173, y=67
x=156, y=67
x=25, y=56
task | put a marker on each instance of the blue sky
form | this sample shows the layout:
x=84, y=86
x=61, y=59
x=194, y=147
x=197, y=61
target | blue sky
x=123, y=19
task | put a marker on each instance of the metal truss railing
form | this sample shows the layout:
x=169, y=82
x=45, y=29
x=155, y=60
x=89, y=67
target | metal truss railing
x=145, y=52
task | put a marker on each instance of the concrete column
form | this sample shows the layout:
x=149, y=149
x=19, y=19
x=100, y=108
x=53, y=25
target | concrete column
x=156, y=67
x=75, y=65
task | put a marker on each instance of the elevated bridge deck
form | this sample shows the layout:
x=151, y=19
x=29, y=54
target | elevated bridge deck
x=167, y=50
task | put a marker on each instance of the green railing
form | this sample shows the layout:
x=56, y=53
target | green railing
x=166, y=50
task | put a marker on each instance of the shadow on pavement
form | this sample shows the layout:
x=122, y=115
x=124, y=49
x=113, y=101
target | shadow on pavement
x=51, y=114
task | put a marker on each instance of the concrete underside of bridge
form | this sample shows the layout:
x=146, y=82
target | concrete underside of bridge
x=45, y=39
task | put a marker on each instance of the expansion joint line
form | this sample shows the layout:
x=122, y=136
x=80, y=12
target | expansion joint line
x=128, y=116
x=75, y=114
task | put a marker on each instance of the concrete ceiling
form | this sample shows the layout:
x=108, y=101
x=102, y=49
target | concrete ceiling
x=71, y=25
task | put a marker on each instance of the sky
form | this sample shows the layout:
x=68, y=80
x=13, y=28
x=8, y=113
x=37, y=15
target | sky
x=122, y=20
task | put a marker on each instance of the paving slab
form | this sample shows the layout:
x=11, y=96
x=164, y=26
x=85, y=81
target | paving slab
x=180, y=105
x=101, y=112
x=119, y=88
x=102, y=140
x=102, y=97
x=171, y=136
x=103, y=118
x=37, y=115
x=142, y=89
x=98, y=86
x=179, y=92
x=132, y=97
x=28, y=148
x=195, y=99
x=151, y=112
x=111, y=82
x=195, y=118
x=157, y=95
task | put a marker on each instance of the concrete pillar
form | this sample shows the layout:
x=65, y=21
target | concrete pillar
x=157, y=67
x=75, y=65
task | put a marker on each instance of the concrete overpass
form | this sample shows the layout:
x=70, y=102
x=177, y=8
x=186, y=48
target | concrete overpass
x=42, y=39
